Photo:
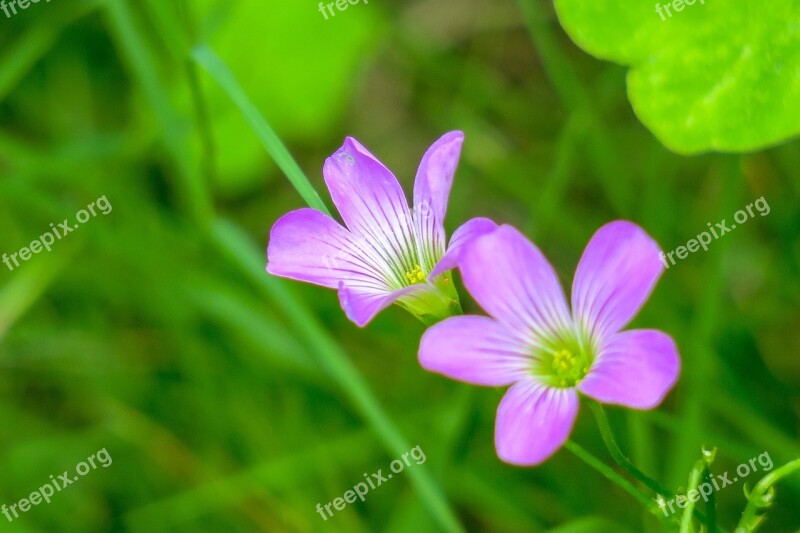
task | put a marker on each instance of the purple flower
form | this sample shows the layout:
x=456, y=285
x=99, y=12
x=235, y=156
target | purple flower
x=387, y=253
x=545, y=353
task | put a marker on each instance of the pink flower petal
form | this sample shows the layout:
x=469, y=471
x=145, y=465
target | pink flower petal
x=309, y=246
x=465, y=234
x=431, y=192
x=634, y=368
x=362, y=304
x=513, y=282
x=533, y=421
x=615, y=276
x=474, y=349
x=372, y=205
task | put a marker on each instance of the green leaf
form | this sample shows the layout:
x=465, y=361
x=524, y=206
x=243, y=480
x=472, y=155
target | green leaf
x=714, y=76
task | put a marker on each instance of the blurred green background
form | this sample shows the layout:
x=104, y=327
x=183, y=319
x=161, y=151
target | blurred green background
x=231, y=401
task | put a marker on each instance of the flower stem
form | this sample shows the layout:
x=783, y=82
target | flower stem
x=621, y=460
x=688, y=512
x=619, y=457
x=762, y=496
x=711, y=505
x=609, y=473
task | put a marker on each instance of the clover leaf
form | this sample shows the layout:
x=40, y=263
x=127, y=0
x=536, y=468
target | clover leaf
x=706, y=75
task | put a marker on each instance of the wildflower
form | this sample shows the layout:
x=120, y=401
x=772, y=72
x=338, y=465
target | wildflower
x=546, y=354
x=386, y=252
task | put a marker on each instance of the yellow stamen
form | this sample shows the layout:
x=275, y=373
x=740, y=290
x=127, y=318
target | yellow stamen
x=415, y=275
x=568, y=368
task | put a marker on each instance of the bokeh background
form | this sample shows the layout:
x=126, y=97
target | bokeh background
x=231, y=401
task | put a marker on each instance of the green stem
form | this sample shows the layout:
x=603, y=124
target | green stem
x=202, y=117
x=711, y=504
x=609, y=473
x=619, y=457
x=688, y=512
x=762, y=496
x=621, y=460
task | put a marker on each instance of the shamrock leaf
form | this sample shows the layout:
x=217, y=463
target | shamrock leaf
x=706, y=75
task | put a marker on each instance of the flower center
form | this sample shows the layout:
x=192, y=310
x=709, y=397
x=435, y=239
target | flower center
x=415, y=275
x=563, y=360
x=568, y=369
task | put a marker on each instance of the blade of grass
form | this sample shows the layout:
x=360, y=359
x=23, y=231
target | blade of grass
x=228, y=491
x=577, y=99
x=699, y=353
x=235, y=246
x=206, y=58
x=135, y=49
x=748, y=422
x=19, y=57
x=27, y=285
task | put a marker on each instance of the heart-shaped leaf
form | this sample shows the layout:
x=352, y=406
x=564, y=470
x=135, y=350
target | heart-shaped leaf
x=705, y=75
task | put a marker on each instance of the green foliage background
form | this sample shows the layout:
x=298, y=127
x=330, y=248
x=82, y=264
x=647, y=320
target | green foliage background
x=231, y=401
